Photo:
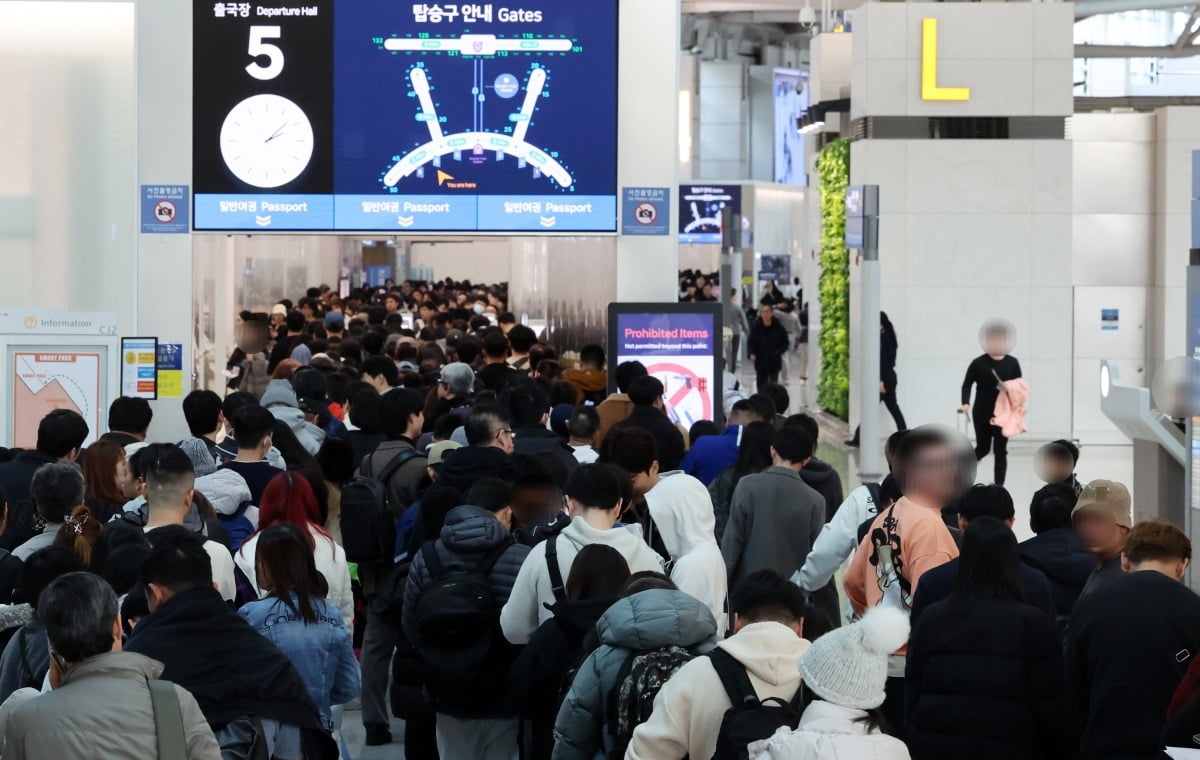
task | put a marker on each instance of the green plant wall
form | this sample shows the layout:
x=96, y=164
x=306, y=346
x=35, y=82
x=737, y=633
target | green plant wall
x=833, y=389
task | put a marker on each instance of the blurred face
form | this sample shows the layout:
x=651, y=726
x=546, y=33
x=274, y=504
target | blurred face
x=1051, y=470
x=767, y=314
x=933, y=475
x=1100, y=534
x=529, y=504
x=277, y=320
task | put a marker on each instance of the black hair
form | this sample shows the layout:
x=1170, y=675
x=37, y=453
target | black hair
x=700, y=429
x=592, y=355
x=597, y=572
x=134, y=607
x=336, y=460
x=202, y=410
x=521, y=338
x=817, y=622
x=764, y=406
x=584, y=422
x=793, y=444
x=40, y=569
x=364, y=410
x=493, y=494
x=285, y=558
x=495, y=343
x=778, y=395
x=990, y=564
x=627, y=372
x=372, y=342
x=1051, y=507
x=807, y=424
x=754, y=450
x=986, y=501
x=468, y=349
x=645, y=390
x=295, y=321
x=116, y=534
x=177, y=560
x=632, y=449
x=506, y=318
x=60, y=432
x=123, y=565
x=526, y=401
x=129, y=415
x=446, y=425
x=435, y=505
x=767, y=596
x=648, y=580
x=376, y=366
x=336, y=384
x=596, y=486
x=1071, y=448
x=251, y=424
x=910, y=446
x=235, y=401
x=484, y=422
x=743, y=406
x=395, y=408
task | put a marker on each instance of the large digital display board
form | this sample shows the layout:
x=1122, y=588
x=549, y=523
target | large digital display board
x=700, y=208
x=385, y=116
x=680, y=344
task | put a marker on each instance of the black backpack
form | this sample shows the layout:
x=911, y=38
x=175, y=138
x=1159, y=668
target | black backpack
x=368, y=525
x=638, y=682
x=749, y=719
x=463, y=654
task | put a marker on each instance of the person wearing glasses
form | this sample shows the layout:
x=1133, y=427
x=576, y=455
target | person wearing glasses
x=1103, y=517
x=489, y=433
x=908, y=538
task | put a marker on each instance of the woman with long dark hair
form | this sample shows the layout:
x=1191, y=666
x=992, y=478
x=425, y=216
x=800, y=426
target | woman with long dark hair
x=289, y=499
x=754, y=456
x=985, y=676
x=296, y=617
x=106, y=480
x=888, y=346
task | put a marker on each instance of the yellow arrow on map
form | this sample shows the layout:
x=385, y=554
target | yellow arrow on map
x=442, y=177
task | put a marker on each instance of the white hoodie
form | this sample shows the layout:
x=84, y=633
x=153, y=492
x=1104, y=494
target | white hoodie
x=689, y=707
x=836, y=541
x=829, y=732
x=532, y=591
x=682, y=510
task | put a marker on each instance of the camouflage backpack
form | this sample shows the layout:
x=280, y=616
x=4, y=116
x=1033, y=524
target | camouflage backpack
x=638, y=683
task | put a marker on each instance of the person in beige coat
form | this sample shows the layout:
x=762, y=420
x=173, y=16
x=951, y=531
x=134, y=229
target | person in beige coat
x=768, y=624
x=100, y=704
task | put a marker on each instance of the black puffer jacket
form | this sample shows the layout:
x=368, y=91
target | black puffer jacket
x=1064, y=561
x=986, y=681
x=468, y=535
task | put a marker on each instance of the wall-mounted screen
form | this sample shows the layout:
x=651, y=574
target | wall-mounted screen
x=680, y=344
x=700, y=209
x=374, y=115
x=791, y=101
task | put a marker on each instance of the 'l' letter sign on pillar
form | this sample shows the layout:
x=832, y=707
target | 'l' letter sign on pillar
x=929, y=61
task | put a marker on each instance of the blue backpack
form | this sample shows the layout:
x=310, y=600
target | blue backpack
x=238, y=526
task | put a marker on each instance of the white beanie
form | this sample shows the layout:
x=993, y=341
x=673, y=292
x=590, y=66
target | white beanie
x=849, y=666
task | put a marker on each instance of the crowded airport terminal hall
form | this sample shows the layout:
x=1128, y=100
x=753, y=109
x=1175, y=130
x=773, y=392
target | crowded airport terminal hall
x=739, y=380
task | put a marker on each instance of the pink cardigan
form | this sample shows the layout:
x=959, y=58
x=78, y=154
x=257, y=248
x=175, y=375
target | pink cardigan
x=1010, y=411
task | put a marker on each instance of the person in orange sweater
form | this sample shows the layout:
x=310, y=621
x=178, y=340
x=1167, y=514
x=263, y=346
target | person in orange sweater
x=909, y=538
x=589, y=378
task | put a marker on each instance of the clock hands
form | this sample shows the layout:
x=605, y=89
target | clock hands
x=278, y=132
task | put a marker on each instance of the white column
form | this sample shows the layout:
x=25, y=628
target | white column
x=163, y=281
x=647, y=139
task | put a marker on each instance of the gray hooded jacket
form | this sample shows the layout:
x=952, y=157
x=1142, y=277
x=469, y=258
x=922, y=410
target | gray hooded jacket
x=468, y=535
x=649, y=620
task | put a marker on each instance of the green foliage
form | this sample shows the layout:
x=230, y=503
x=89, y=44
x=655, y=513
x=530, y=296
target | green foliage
x=833, y=390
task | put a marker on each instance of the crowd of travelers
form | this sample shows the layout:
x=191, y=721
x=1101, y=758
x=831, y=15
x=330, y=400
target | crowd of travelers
x=404, y=499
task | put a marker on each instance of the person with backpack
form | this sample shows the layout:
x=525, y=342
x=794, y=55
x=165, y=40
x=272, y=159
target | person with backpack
x=456, y=587
x=543, y=672
x=845, y=671
x=60, y=437
x=840, y=536
x=595, y=494
x=104, y=702
x=388, y=483
x=744, y=690
x=645, y=638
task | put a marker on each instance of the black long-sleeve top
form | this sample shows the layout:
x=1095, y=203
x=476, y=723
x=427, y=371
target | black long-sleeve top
x=979, y=374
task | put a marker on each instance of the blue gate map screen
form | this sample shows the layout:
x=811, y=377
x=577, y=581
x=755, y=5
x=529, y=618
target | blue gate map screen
x=489, y=117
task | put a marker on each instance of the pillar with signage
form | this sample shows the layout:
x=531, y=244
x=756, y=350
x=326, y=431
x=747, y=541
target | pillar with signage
x=862, y=238
x=959, y=113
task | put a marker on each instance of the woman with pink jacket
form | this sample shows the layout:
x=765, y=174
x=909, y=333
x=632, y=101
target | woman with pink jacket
x=988, y=373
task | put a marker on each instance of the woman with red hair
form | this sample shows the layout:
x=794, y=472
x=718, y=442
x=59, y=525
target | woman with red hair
x=289, y=498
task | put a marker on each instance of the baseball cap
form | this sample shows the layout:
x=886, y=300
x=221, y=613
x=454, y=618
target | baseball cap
x=460, y=377
x=437, y=452
x=453, y=337
x=279, y=309
x=334, y=319
x=1106, y=497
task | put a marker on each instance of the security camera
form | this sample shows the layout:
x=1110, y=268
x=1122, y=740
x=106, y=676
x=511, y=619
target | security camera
x=808, y=16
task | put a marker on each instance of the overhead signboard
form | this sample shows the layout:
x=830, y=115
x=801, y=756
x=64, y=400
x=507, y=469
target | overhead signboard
x=680, y=344
x=373, y=116
x=700, y=209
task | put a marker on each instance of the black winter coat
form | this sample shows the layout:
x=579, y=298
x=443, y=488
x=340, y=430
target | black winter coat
x=230, y=668
x=462, y=467
x=768, y=344
x=667, y=438
x=1064, y=562
x=984, y=681
x=536, y=678
x=15, y=477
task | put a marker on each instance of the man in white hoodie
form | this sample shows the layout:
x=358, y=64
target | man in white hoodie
x=768, y=623
x=682, y=514
x=594, y=493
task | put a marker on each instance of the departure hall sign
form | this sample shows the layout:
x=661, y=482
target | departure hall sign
x=373, y=116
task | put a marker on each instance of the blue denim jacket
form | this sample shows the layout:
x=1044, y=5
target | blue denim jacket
x=323, y=652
